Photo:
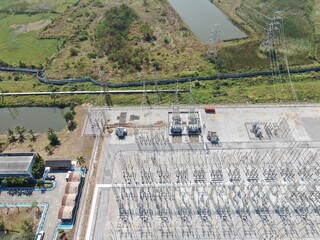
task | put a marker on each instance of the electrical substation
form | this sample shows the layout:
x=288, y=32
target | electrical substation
x=182, y=173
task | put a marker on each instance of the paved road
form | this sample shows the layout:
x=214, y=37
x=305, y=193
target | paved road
x=53, y=198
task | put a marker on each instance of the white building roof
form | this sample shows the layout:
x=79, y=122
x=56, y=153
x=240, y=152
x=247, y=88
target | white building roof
x=12, y=163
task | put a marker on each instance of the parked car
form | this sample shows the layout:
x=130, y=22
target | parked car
x=40, y=235
x=51, y=177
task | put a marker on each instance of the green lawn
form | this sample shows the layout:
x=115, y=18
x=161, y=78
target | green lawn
x=24, y=47
x=35, y=5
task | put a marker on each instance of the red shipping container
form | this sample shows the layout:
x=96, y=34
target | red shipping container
x=210, y=109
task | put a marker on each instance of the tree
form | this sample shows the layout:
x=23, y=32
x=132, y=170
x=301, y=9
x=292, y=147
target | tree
x=52, y=137
x=31, y=148
x=33, y=135
x=81, y=160
x=35, y=204
x=49, y=149
x=50, y=131
x=147, y=32
x=27, y=229
x=10, y=136
x=6, y=181
x=20, y=130
x=68, y=117
x=38, y=167
x=40, y=183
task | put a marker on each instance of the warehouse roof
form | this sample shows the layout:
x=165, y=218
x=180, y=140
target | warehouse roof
x=69, y=200
x=15, y=162
x=72, y=187
x=74, y=177
x=65, y=213
x=58, y=163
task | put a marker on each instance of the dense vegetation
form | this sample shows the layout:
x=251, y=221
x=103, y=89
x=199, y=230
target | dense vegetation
x=112, y=32
x=38, y=167
x=111, y=36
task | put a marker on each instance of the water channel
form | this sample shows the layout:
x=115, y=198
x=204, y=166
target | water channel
x=202, y=15
x=36, y=118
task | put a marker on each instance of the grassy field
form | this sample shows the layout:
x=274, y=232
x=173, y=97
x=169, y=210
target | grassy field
x=252, y=16
x=175, y=50
x=19, y=42
x=31, y=6
x=232, y=91
x=20, y=25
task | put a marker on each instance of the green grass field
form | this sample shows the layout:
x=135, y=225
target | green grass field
x=25, y=6
x=24, y=47
x=230, y=91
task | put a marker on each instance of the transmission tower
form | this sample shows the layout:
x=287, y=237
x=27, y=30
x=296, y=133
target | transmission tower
x=156, y=85
x=104, y=85
x=275, y=38
x=278, y=15
x=177, y=93
x=144, y=94
x=214, y=36
x=191, y=100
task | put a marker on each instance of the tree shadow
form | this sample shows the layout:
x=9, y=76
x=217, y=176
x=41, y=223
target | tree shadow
x=108, y=100
x=21, y=139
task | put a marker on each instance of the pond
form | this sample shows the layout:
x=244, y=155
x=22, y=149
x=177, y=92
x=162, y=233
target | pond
x=36, y=118
x=202, y=15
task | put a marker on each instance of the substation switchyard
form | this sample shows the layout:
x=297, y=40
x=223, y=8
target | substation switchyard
x=181, y=173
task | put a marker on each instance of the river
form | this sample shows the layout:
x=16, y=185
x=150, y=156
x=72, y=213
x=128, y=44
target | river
x=36, y=118
x=201, y=16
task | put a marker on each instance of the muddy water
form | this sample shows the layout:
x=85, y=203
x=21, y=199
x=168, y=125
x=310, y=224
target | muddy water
x=202, y=15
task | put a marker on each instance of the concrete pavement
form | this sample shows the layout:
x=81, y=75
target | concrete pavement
x=53, y=198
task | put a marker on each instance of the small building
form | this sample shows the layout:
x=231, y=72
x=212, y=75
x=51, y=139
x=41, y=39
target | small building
x=69, y=200
x=16, y=165
x=72, y=188
x=65, y=213
x=58, y=164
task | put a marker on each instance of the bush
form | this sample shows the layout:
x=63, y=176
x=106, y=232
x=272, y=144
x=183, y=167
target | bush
x=73, y=52
x=92, y=55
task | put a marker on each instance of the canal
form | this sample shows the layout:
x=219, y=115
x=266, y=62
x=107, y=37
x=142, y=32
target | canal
x=202, y=15
x=36, y=118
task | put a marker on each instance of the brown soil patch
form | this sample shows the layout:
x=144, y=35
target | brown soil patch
x=12, y=217
x=30, y=26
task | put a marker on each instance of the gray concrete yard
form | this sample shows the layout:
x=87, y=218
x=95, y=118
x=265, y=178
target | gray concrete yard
x=53, y=198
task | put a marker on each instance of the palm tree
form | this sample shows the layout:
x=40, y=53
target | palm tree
x=40, y=183
x=50, y=131
x=10, y=136
x=33, y=135
x=20, y=130
x=31, y=148
x=49, y=149
x=5, y=181
x=81, y=160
